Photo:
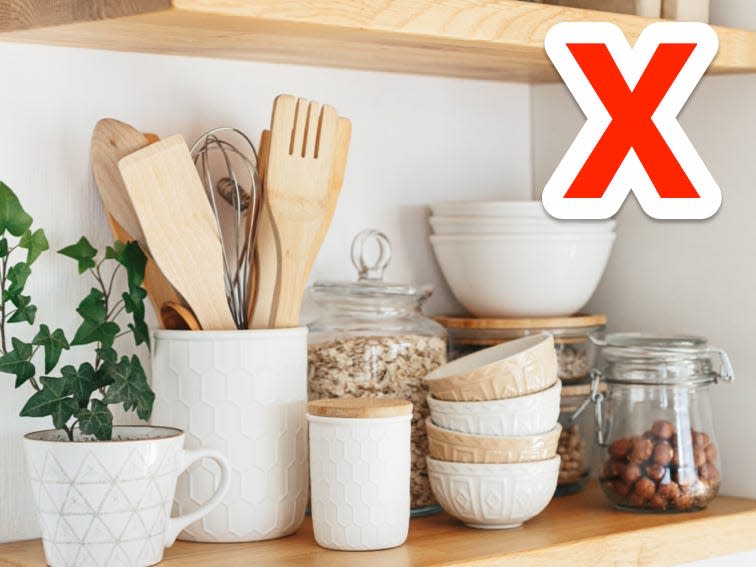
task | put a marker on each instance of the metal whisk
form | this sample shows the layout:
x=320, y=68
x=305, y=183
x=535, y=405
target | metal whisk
x=229, y=169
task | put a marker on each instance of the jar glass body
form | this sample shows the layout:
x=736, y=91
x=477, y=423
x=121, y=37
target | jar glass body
x=575, y=444
x=656, y=427
x=378, y=344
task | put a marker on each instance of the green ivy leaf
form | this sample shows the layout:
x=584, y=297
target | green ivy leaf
x=53, y=344
x=17, y=275
x=51, y=400
x=17, y=361
x=83, y=252
x=134, y=260
x=92, y=307
x=91, y=332
x=146, y=396
x=13, y=217
x=107, y=355
x=25, y=311
x=97, y=421
x=130, y=387
x=113, y=252
x=35, y=243
x=79, y=382
x=3, y=247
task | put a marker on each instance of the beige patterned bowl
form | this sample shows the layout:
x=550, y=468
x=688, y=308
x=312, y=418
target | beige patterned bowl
x=515, y=368
x=453, y=446
x=494, y=496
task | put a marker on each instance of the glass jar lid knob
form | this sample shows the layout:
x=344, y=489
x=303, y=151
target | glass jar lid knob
x=373, y=271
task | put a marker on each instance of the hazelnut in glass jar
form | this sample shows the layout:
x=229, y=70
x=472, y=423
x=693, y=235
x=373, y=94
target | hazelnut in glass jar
x=655, y=422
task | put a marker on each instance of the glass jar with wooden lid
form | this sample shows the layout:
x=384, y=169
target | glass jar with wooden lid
x=575, y=352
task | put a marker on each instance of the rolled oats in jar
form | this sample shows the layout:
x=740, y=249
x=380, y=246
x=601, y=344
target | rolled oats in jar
x=372, y=340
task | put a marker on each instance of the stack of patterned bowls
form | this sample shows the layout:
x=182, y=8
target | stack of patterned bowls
x=493, y=433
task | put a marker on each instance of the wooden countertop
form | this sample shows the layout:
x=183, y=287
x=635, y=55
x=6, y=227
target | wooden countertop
x=574, y=530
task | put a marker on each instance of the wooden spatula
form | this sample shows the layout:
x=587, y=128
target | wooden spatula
x=179, y=226
x=302, y=147
x=263, y=286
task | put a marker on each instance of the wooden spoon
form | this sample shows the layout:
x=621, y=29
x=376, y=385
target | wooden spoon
x=178, y=317
x=179, y=226
x=159, y=289
x=113, y=140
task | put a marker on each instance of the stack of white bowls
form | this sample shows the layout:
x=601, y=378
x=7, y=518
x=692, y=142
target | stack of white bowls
x=493, y=433
x=511, y=259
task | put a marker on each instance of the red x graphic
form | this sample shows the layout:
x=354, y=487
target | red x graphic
x=631, y=125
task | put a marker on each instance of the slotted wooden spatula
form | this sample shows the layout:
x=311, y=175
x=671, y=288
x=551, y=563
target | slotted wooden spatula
x=264, y=285
x=179, y=226
x=300, y=160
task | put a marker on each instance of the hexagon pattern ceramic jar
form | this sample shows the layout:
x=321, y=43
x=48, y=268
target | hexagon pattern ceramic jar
x=242, y=393
x=360, y=472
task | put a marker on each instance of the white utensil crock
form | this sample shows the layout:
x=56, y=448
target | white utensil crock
x=107, y=503
x=242, y=393
x=360, y=481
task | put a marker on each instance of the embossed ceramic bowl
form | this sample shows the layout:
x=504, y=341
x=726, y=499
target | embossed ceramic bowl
x=515, y=368
x=524, y=415
x=494, y=496
x=452, y=446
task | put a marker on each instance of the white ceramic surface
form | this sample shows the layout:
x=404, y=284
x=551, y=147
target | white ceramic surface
x=360, y=479
x=530, y=209
x=515, y=225
x=545, y=275
x=107, y=503
x=494, y=496
x=243, y=393
x=523, y=415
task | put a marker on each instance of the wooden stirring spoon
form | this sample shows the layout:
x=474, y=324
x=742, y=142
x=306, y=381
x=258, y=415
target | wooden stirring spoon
x=179, y=226
x=110, y=140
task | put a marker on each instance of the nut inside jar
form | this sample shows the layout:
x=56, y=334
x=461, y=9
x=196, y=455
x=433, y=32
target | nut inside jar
x=662, y=470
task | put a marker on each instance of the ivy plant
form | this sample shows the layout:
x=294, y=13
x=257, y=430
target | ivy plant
x=75, y=397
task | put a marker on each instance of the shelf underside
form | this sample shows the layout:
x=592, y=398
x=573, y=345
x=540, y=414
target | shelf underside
x=495, y=39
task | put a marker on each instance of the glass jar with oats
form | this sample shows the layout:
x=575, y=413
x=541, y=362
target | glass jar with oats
x=371, y=339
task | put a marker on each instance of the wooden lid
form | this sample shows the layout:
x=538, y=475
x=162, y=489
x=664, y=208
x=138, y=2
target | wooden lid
x=360, y=407
x=579, y=320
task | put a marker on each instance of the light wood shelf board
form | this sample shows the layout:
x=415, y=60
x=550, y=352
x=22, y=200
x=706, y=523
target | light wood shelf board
x=575, y=530
x=482, y=39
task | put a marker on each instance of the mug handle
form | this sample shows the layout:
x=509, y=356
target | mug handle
x=177, y=524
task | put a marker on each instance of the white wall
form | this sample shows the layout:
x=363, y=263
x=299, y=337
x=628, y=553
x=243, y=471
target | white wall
x=415, y=140
x=688, y=277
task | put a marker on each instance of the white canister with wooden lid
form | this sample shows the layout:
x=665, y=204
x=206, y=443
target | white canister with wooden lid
x=360, y=472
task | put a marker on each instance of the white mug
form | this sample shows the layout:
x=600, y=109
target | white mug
x=244, y=394
x=106, y=503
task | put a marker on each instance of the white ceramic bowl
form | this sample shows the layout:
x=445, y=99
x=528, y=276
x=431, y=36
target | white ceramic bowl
x=531, y=209
x=516, y=225
x=524, y=415
x=494, y=496
x=520, y=275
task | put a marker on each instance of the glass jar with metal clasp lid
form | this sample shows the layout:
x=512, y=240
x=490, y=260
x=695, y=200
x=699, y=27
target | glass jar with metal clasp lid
x=654, y=423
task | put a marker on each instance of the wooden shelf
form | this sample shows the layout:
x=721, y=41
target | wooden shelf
x=483, y=39
x=581, y=530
